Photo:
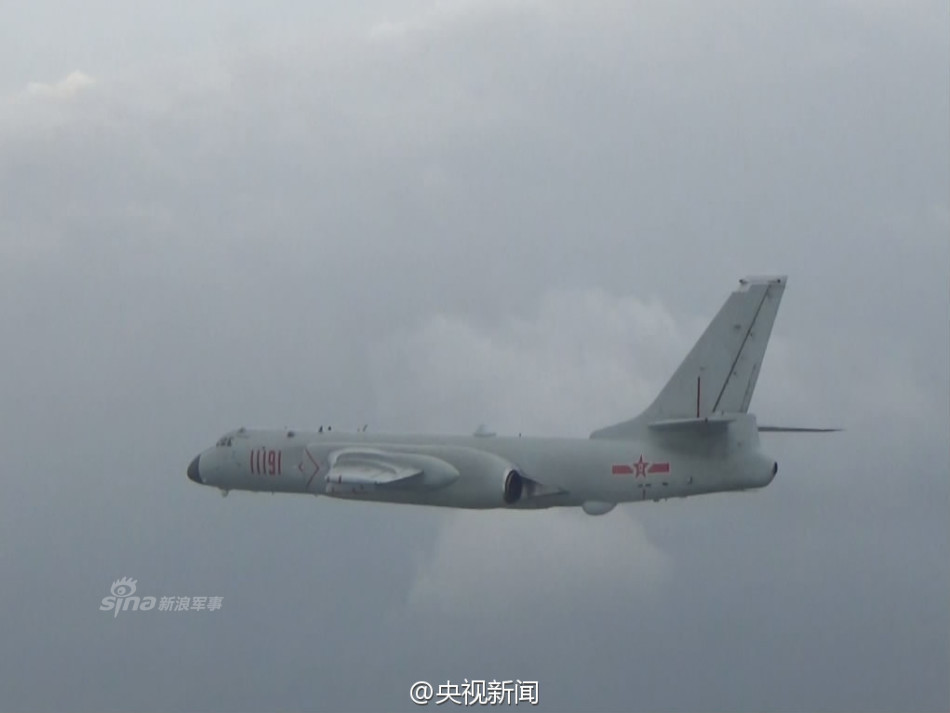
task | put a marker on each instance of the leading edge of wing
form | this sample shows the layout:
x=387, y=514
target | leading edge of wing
x=380, y=468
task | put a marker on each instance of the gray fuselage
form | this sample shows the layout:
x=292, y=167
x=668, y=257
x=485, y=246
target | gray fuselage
x=555, y=471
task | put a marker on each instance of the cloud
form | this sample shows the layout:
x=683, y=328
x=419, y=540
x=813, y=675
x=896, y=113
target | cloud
x=523, y=217
x=67, y=88
x=548, y=561
x=604, y=356
x=451, y=17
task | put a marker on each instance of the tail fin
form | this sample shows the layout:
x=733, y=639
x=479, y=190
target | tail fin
x=719, y=373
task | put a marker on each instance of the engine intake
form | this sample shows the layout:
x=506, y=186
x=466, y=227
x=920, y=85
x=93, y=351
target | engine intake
x=514, y=487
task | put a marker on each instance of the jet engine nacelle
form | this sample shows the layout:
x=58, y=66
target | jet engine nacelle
x=514, y=486
x=527, y=493
x=490, y=481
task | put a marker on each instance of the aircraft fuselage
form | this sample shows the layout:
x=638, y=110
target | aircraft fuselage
x=696, y=437
x=476, y=471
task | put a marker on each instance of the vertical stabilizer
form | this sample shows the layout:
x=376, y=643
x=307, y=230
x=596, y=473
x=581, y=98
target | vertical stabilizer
x=719, y=373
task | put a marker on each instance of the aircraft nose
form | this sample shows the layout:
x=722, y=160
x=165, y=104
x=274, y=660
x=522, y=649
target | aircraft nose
x=193, y=473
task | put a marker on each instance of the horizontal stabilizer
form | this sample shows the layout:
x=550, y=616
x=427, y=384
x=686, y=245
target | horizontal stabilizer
x=716, y=422
x=793, y=429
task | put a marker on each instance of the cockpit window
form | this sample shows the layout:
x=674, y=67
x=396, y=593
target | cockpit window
x=228, y=438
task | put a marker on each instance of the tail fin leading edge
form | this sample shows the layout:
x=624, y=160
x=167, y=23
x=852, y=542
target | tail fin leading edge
x=720, y=372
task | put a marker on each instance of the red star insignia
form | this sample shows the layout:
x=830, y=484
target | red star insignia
x=640, y=468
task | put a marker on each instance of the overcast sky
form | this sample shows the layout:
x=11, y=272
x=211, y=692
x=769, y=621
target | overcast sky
x=428, y=215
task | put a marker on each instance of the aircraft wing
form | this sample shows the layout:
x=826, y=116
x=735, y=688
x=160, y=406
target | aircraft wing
x=371, y=471
x=377, y=468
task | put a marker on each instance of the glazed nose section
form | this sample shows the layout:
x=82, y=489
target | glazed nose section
x=193, y=472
